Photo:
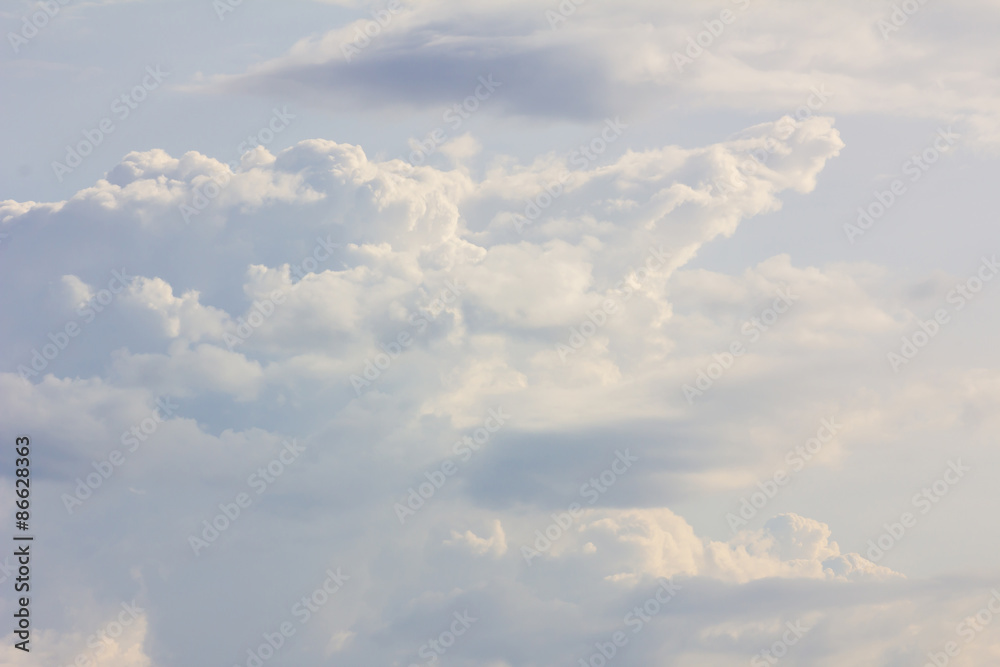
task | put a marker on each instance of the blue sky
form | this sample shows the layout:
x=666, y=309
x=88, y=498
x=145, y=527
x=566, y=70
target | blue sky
x=517, y=312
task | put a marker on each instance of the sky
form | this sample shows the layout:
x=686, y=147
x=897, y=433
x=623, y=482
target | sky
x=520, y=334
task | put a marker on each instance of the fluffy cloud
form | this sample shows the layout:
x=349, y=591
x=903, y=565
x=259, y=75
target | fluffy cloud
x=324, y=264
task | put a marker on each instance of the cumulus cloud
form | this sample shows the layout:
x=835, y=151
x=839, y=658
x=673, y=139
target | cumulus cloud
x=655, y=542
x=379, y=314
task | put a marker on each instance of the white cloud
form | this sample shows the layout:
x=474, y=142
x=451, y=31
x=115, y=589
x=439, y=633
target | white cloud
x=361, y=249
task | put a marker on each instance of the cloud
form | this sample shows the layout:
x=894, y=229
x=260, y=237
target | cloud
x=317, y=258
x=656, y=542
x=596, y=61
